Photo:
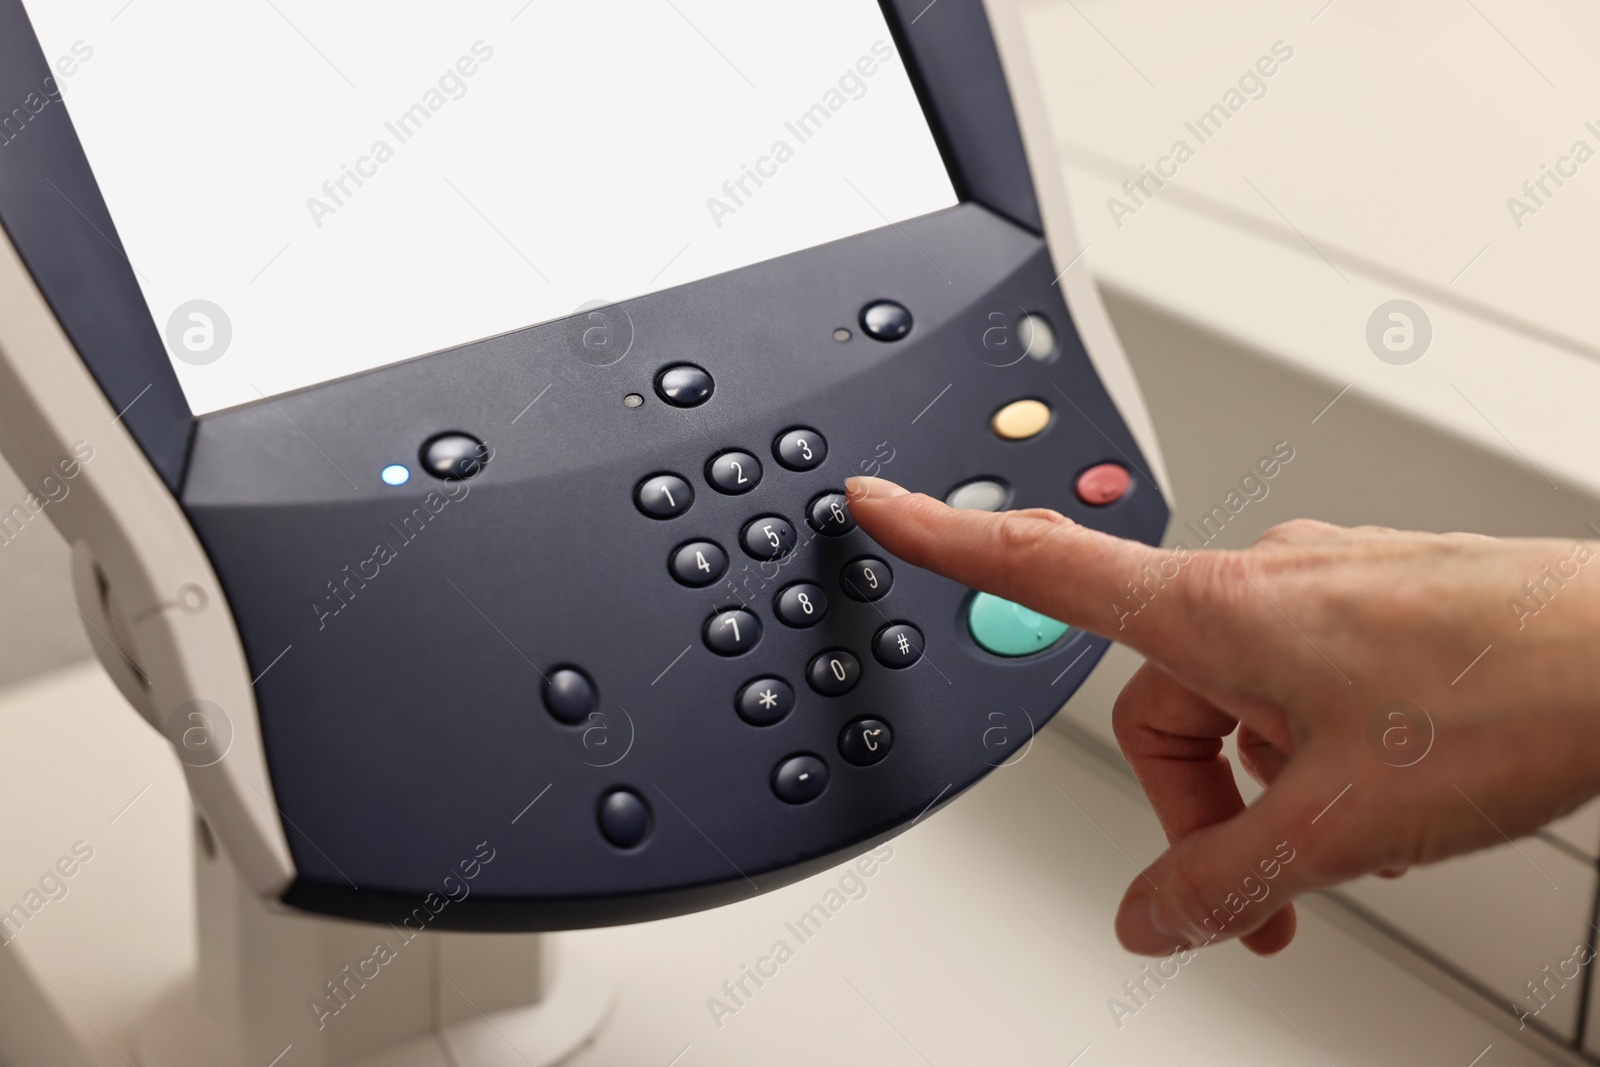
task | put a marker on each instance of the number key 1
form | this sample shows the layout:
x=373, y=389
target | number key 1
x=663, y=496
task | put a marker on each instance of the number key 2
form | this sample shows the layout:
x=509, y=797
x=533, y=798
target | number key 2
x=734, y=472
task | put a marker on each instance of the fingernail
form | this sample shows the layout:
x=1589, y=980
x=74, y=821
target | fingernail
x=1175, y=941
x=863, y=488
x=1144, y=931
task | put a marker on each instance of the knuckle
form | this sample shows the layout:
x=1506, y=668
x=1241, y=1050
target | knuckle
x=1341, y=856
x=1295, y=530
x=1018, y=537
x=1125, y=720
x=1130, y=712
x=922, y=518
x=1019, y=531
x=1358, y=840
x=1221, y=588
x=1467, y=539
x=924, y=509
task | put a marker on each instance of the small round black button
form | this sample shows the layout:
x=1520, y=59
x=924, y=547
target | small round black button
x=800, y=449
x=765, y=701
x=801, y=605
x=867, y=578
x=898, y=645
x=698, y=563
x=453, y=455
x=684, y=385
x=569, y=695
x=830, y=514
x=886, y=320
x=834, y=672
x=664, y=496
x=799, y=779
x=625, y=818
x=865, y=742
x=768, y=538
x=734, y=472
x=732, y=631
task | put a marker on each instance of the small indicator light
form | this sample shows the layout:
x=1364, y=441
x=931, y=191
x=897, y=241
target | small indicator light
x=395, y=474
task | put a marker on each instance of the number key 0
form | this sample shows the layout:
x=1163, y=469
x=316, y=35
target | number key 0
x=834, y=672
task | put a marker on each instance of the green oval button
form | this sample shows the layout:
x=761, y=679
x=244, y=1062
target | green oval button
x=1008, y=629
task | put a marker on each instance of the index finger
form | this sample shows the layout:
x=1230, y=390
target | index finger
x=1037, y=558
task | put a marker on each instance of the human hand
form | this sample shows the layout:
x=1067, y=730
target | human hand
x=1299, y=642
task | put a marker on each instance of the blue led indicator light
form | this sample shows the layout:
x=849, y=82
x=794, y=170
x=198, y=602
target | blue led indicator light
x=395, y=474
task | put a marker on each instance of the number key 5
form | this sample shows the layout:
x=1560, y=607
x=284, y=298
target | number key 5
x=769, y=537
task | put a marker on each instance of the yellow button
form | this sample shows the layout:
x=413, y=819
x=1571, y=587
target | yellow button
x=1020, y=419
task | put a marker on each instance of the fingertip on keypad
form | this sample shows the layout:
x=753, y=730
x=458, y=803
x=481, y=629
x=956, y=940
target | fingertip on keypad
x=829, y=514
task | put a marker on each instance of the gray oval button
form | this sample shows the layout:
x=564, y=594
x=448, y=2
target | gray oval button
x=1038, y=338
x=982, y=494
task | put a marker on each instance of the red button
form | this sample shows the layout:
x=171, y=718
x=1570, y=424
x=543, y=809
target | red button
x=1102, y=485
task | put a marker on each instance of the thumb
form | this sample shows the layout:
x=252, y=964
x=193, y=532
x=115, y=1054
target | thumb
x=1228, y=879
